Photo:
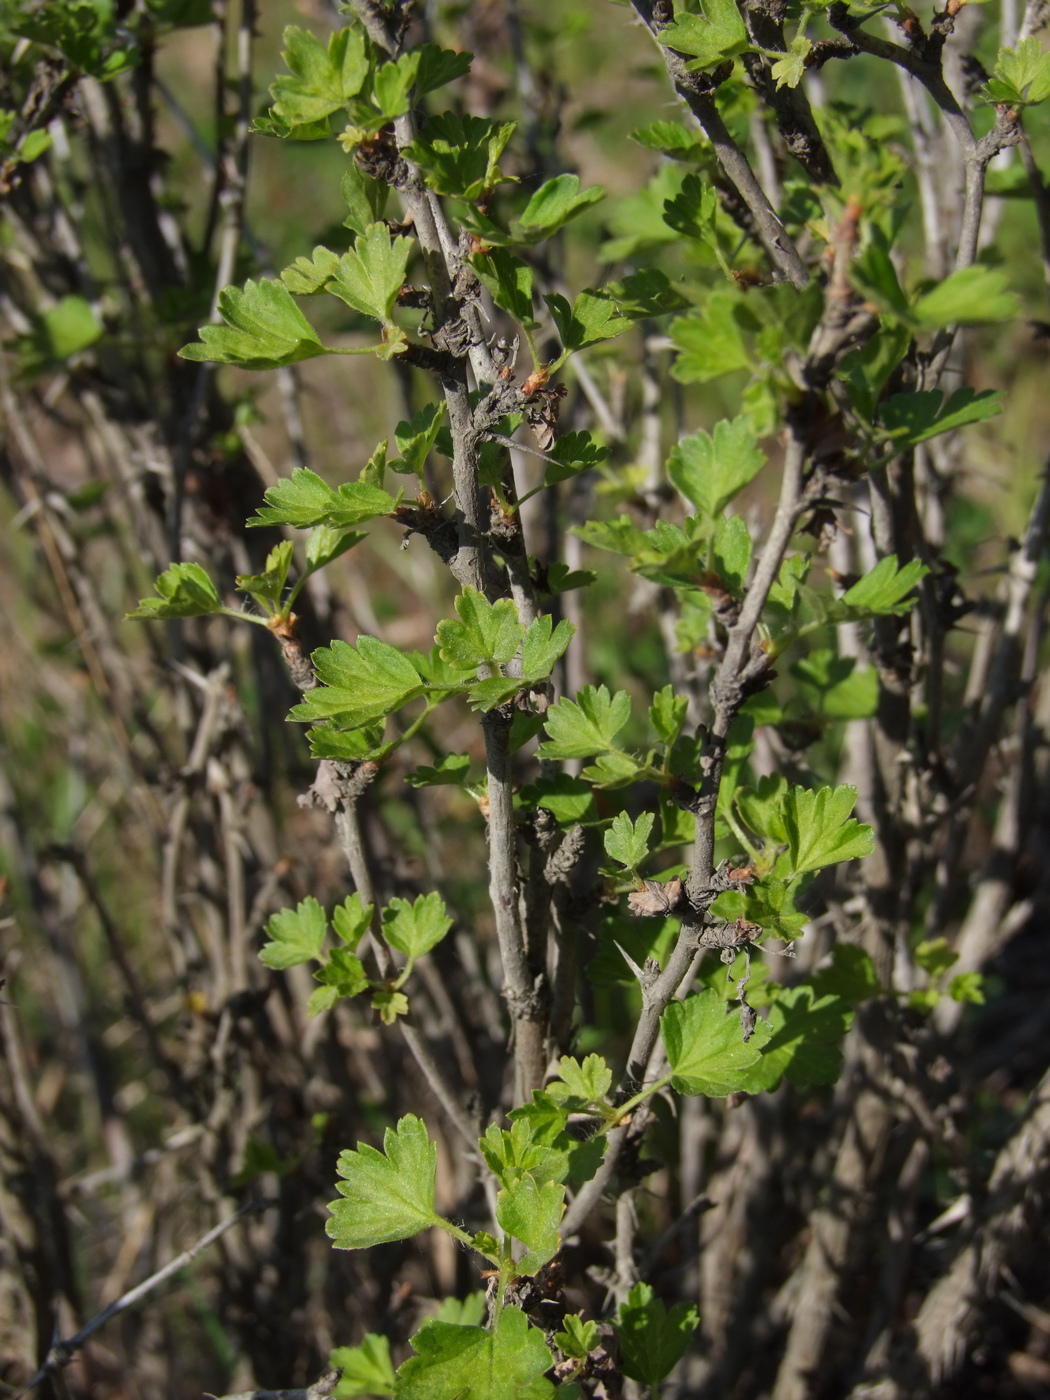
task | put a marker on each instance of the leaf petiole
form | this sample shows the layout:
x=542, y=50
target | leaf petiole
x=244, y=616
x=729, y=817
x=623, y=1109
x=457, y=1234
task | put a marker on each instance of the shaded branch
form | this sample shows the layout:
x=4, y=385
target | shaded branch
x=696, y=91
x=62, y=1352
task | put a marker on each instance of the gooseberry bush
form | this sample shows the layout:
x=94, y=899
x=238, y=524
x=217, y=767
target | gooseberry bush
x=727, y=877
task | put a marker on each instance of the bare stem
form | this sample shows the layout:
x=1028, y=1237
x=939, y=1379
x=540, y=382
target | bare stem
x=348, y=824
x=525, y=988
x=62, y=1352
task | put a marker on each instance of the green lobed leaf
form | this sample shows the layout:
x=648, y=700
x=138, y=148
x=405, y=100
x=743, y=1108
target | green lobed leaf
x=386, y=1195
x=569, y=800
x=471, y=1363
x=934, y=956
x=347, y=745
x=972, y=296
x=365, y=199
x=574, y=453
x=591, y=318
x=185, y=591
x=435, y=671
x=831, y=687
x=705, y=1046
x=270, y=124
x=885, y=589
x=1021, y=75
x=709, y=470
x=367, y=1369
x=627, y=842
x=413, y=929
x=967, y=987
x=486, y=633
x=554, y=204
x=369, y=277
x=645, y=293
x=913, y=418
x=578, y=1337
x=308, y=276
x=359, y=684
x=620, y=536
x=297, y=935
x=508, y=281
x=670, y=139
x=327, y=542
x=851, y=977
x=343, y=975
x=731, y=552
x=801, y=1035
x=416, y=438
x=820, y=830
x=543, y=645
x=585, y=726
x=524, y=727
x=789, y=70
x=531, y=1211
x=667, y=713
x=710, y=344
x=767, y=903
x=268, y=586
x=66, y=328
x=613, y=769
x=762, y=807
x=464, y=1312
x=460, y=154
x=866, y=371
x=719, y=33
x=321, y=79
x=652, y=1339
x=581, y=1084
x=391, y=85
x=561, y=579
x=534, y=1144
x=450, y=769
x=264, y=330
x=874, y=275
x=539, y=1143
x=438, y=66
x=373, y=473
x=389, y=1003
x=323, y=999
x=304, y=499
x=352, y=920
x=692, y=211
x=495, y=690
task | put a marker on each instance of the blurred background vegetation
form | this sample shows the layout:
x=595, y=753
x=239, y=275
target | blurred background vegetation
x=148, y=814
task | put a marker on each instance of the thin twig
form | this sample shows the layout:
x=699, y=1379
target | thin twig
x=695, y=90
x=1040, y=198
x=320, y=1390
x=349, y=786
x=62, y=1352
x=526, y=990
